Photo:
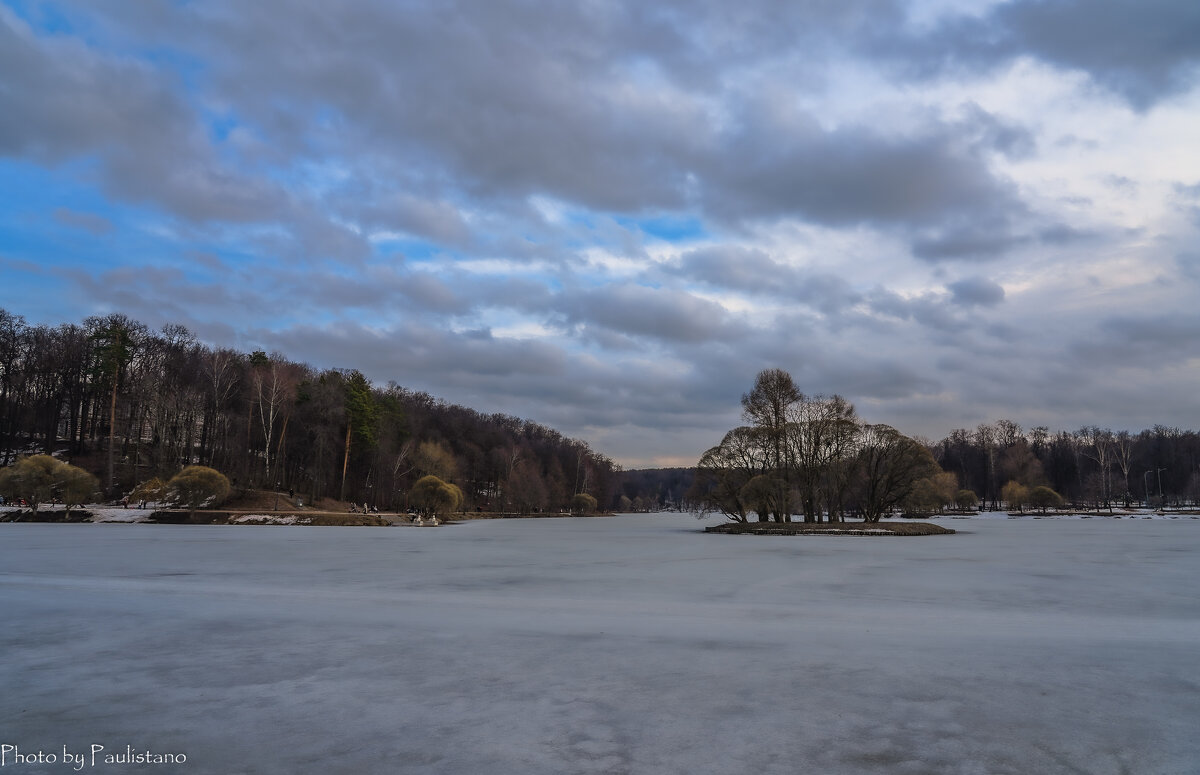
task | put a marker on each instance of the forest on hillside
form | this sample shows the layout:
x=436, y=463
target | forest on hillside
x=129, y=404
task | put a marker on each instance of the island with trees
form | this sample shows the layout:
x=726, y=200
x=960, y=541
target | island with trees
x=807, y=464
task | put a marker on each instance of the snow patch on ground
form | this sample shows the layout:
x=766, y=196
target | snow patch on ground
x=118, y=514
x=271, y=519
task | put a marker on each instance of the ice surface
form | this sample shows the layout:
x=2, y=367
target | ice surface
x=633, y=644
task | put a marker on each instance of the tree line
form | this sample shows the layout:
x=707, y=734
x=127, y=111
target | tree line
x=1091, y=467
x=813, y=456
x=130, y=404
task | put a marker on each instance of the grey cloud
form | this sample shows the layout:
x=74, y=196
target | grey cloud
x=1179, y=334
x=430, y=292
x=942, y=316
x=156, y=295
x=1142, y=50
x=993, y=132
x=1189, y=264
x=990, y=238
x=774, y=166
x=1188, y=192
x=882, y=379
x=91, y=222
x=207, y=260
x=424, y=217
x=638, y=311
x=1063, y=234
x=1121, y=183
x=439, y=221
x=62, y=101
x=891, y=304
x=418, y=355
x=313, y=236
x=754, y=271
x=1147, y=341
x=496, y=100
x=606, y=339
x=976, y=292
x=966, y=242
x=383, y=289
x=862, y=372
x=511, y=101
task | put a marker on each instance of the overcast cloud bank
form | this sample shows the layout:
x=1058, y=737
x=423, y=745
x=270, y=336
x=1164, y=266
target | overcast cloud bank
x=948, y=212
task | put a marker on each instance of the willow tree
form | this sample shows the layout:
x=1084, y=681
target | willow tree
x=890, y=465
x=767, y=407
x=821, y=443
x=41, y=478
x=723, y=473
x=32, y=478
x=197, y=486
x=75, y=486
x=435, y=498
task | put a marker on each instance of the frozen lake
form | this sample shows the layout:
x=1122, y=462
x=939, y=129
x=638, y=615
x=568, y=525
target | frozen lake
x=633, y=644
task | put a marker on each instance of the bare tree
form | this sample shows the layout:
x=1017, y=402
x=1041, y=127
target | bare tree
x=274, y=385
x=1098, y=444
x=890, y=464
x=1122, y=449
x=767, y=407
x=820, y=441
x=723, y=473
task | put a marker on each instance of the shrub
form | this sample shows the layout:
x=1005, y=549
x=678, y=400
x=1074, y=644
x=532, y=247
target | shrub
x=966, y=499
x=1016, y=495
x=197, y=486
x=75, y=486
x=150, y=490
x=1045, y=498
x=39, y=478
x=582, y=503
x=433, y=497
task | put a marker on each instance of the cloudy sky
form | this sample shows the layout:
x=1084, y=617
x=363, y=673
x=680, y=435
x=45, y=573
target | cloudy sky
x=607, y=216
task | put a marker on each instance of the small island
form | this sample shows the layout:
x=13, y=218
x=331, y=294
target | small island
x=831, y=528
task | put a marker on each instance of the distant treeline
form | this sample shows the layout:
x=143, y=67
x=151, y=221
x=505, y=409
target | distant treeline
x=654, y=489
x=1091, y=466
x=130, y=404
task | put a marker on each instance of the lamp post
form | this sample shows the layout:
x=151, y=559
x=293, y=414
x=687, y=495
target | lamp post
x=1160, y=495
x=1146, y=487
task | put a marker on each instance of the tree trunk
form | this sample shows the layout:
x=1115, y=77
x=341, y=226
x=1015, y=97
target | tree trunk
x=112, y=432
x=281, y=471
x=345, y=462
